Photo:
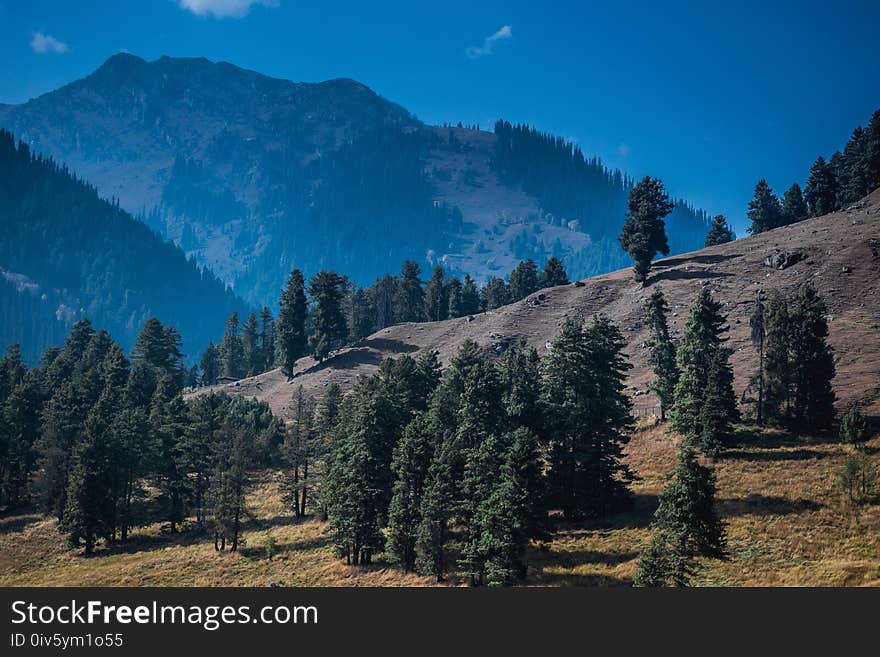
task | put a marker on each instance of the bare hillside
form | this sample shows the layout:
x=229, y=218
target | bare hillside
x=838, y=258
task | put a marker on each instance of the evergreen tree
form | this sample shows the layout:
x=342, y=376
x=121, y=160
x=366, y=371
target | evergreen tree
x=853, y=175
x=812, y=363
x=871, y=152
x=704, y=403
x=758, y=325
x=553, y=274
x=495, y=294
x=409, y=297
x=794, y=207
x=250, y=346
x=662, y=356
x=470, y=297
x=385, y=292
x=588, y=417
x=290, y=331
x=20, y=431
x=686, y=525
x=168, y=416
x=720, y=232
x=452, y=292
x=412, y=458
x=821, y=190
x=644, y=231
x=326, y=289
x=267, y=339
x=210, y=365
x=229, y=484
x=231, y=350
x=765, y=212
x=853, y=426
x=436, y=302
x=300, y=450
x=523, y=280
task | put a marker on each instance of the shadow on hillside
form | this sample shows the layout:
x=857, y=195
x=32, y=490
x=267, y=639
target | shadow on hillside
x=347, y=360
x=683, y=275
x=15, y=523
x=148, y=543
x=258, y=550
x=558, y=568
x=756, y=504
x=710, y=259
x=387, y=344
x=773, y=454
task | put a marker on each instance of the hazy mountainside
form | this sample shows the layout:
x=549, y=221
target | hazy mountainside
x=840, y=258
x=66, y=254
x=254, y=175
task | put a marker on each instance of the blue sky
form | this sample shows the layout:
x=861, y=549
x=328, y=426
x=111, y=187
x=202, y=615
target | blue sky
x=707, y=98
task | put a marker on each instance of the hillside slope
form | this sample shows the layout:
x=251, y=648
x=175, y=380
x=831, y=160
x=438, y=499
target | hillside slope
x=734, y=272
x=67, y=254
x=253, y=175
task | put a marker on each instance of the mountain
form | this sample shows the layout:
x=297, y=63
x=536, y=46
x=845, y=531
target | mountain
x=66, y=254
x=253, y=175
x=840, y=257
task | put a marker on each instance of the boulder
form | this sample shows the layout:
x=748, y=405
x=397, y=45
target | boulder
x=783, y=259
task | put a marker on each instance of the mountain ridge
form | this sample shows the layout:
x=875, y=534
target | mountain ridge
x=268, y=151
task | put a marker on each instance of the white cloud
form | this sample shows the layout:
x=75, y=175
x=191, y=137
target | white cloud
x=624, y=150
x=224, y=8
x=502, y=34
x=46, y=43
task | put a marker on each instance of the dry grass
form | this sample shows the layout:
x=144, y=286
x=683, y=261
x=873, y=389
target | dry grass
x=787, y=525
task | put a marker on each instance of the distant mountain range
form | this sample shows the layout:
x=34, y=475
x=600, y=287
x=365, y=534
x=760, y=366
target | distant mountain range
x=253, y=176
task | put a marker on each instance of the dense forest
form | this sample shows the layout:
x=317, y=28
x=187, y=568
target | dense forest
x=66, y=254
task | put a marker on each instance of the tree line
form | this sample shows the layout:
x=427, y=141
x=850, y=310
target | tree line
x=831, y=185
x=329, y=312
x=106, y=443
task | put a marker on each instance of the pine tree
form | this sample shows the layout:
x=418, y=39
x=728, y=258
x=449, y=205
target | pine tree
x=523, y=280
x=290, y=331
x=821, y=190
x=812, y=363
x=19, y=433
x=794, y=207
x=409, y=297
x=495, y=294
x=412, y=458
x=588, y=417
x=853, y=426
x=686, y=525
x=553, y=274
x=267, y=339
x=231, y=351
x=662, y=356
x=300, y=450
x=330, y=330
x=777, y=358
x=229, y=484
x=452, y=292
x=644, y=231
x=704, y=403
x=720, y=232
x=853, y=176
x=765, y=212
x=168, y=416
x=758, y=325
x=872, y=152
x=250, y=347
x=436, y=302
x=470, y=297
x=210, y=365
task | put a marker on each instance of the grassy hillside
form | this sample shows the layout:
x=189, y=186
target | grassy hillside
x=788, y=524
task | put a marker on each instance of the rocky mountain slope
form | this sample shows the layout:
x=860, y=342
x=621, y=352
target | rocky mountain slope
x=840, y=256
x=253, y=175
